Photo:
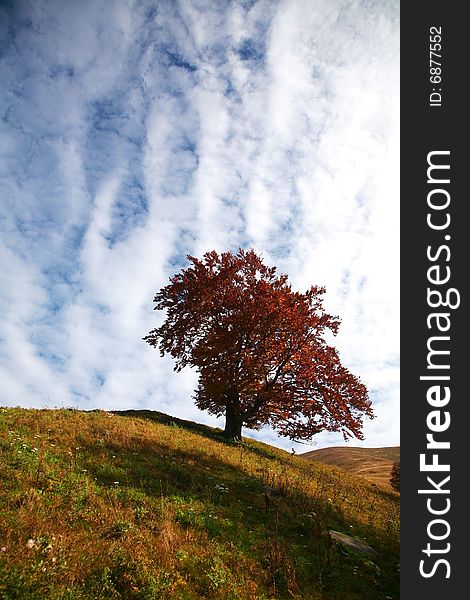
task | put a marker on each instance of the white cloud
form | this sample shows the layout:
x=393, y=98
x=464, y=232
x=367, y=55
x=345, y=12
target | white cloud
x=133, y=135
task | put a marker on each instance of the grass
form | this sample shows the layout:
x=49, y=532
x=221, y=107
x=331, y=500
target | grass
x=140, y=505
x=374, y=464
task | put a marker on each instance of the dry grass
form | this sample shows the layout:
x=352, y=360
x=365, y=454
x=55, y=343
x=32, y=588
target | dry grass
x=139, y=505
x=374, y=464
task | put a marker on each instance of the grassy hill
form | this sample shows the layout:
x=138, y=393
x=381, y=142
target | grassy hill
x=98, y=505
x=374, y=464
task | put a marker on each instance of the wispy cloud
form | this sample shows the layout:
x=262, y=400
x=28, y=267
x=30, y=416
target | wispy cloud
x=136, y=133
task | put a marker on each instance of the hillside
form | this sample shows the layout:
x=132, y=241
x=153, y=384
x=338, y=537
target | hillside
x=140, y=505
x=374, y=464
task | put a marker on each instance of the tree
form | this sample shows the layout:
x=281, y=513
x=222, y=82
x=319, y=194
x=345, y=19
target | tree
x=259, y=348
x=395, y=476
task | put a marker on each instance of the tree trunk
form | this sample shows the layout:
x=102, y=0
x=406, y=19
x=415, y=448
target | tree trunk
x=233, y=424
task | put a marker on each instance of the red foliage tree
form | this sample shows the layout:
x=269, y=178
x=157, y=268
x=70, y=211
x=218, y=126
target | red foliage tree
x=259, y=348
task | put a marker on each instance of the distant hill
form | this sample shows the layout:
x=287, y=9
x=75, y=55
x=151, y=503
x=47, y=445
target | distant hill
x=374, y=464
x=140, y=505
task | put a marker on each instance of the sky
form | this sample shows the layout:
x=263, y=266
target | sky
x=133, y=133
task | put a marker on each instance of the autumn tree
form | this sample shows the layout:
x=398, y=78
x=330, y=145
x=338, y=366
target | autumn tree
x=395, y=476
x=259, y=348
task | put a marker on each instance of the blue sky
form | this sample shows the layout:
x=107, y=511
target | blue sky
x=136, y=132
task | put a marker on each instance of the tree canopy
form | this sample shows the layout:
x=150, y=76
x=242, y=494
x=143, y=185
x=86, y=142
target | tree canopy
x=259, y=348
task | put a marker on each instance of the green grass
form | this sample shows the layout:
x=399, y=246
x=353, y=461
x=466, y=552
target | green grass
x=140, y=505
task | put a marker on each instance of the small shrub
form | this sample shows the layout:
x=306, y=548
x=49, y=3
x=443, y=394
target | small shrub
x=395, y=476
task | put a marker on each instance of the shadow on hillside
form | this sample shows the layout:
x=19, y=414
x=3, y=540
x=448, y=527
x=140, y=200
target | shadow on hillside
x=193, y=470
x=192, y=474
x=152, y=466
x=250, y=445
x=213, y=433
